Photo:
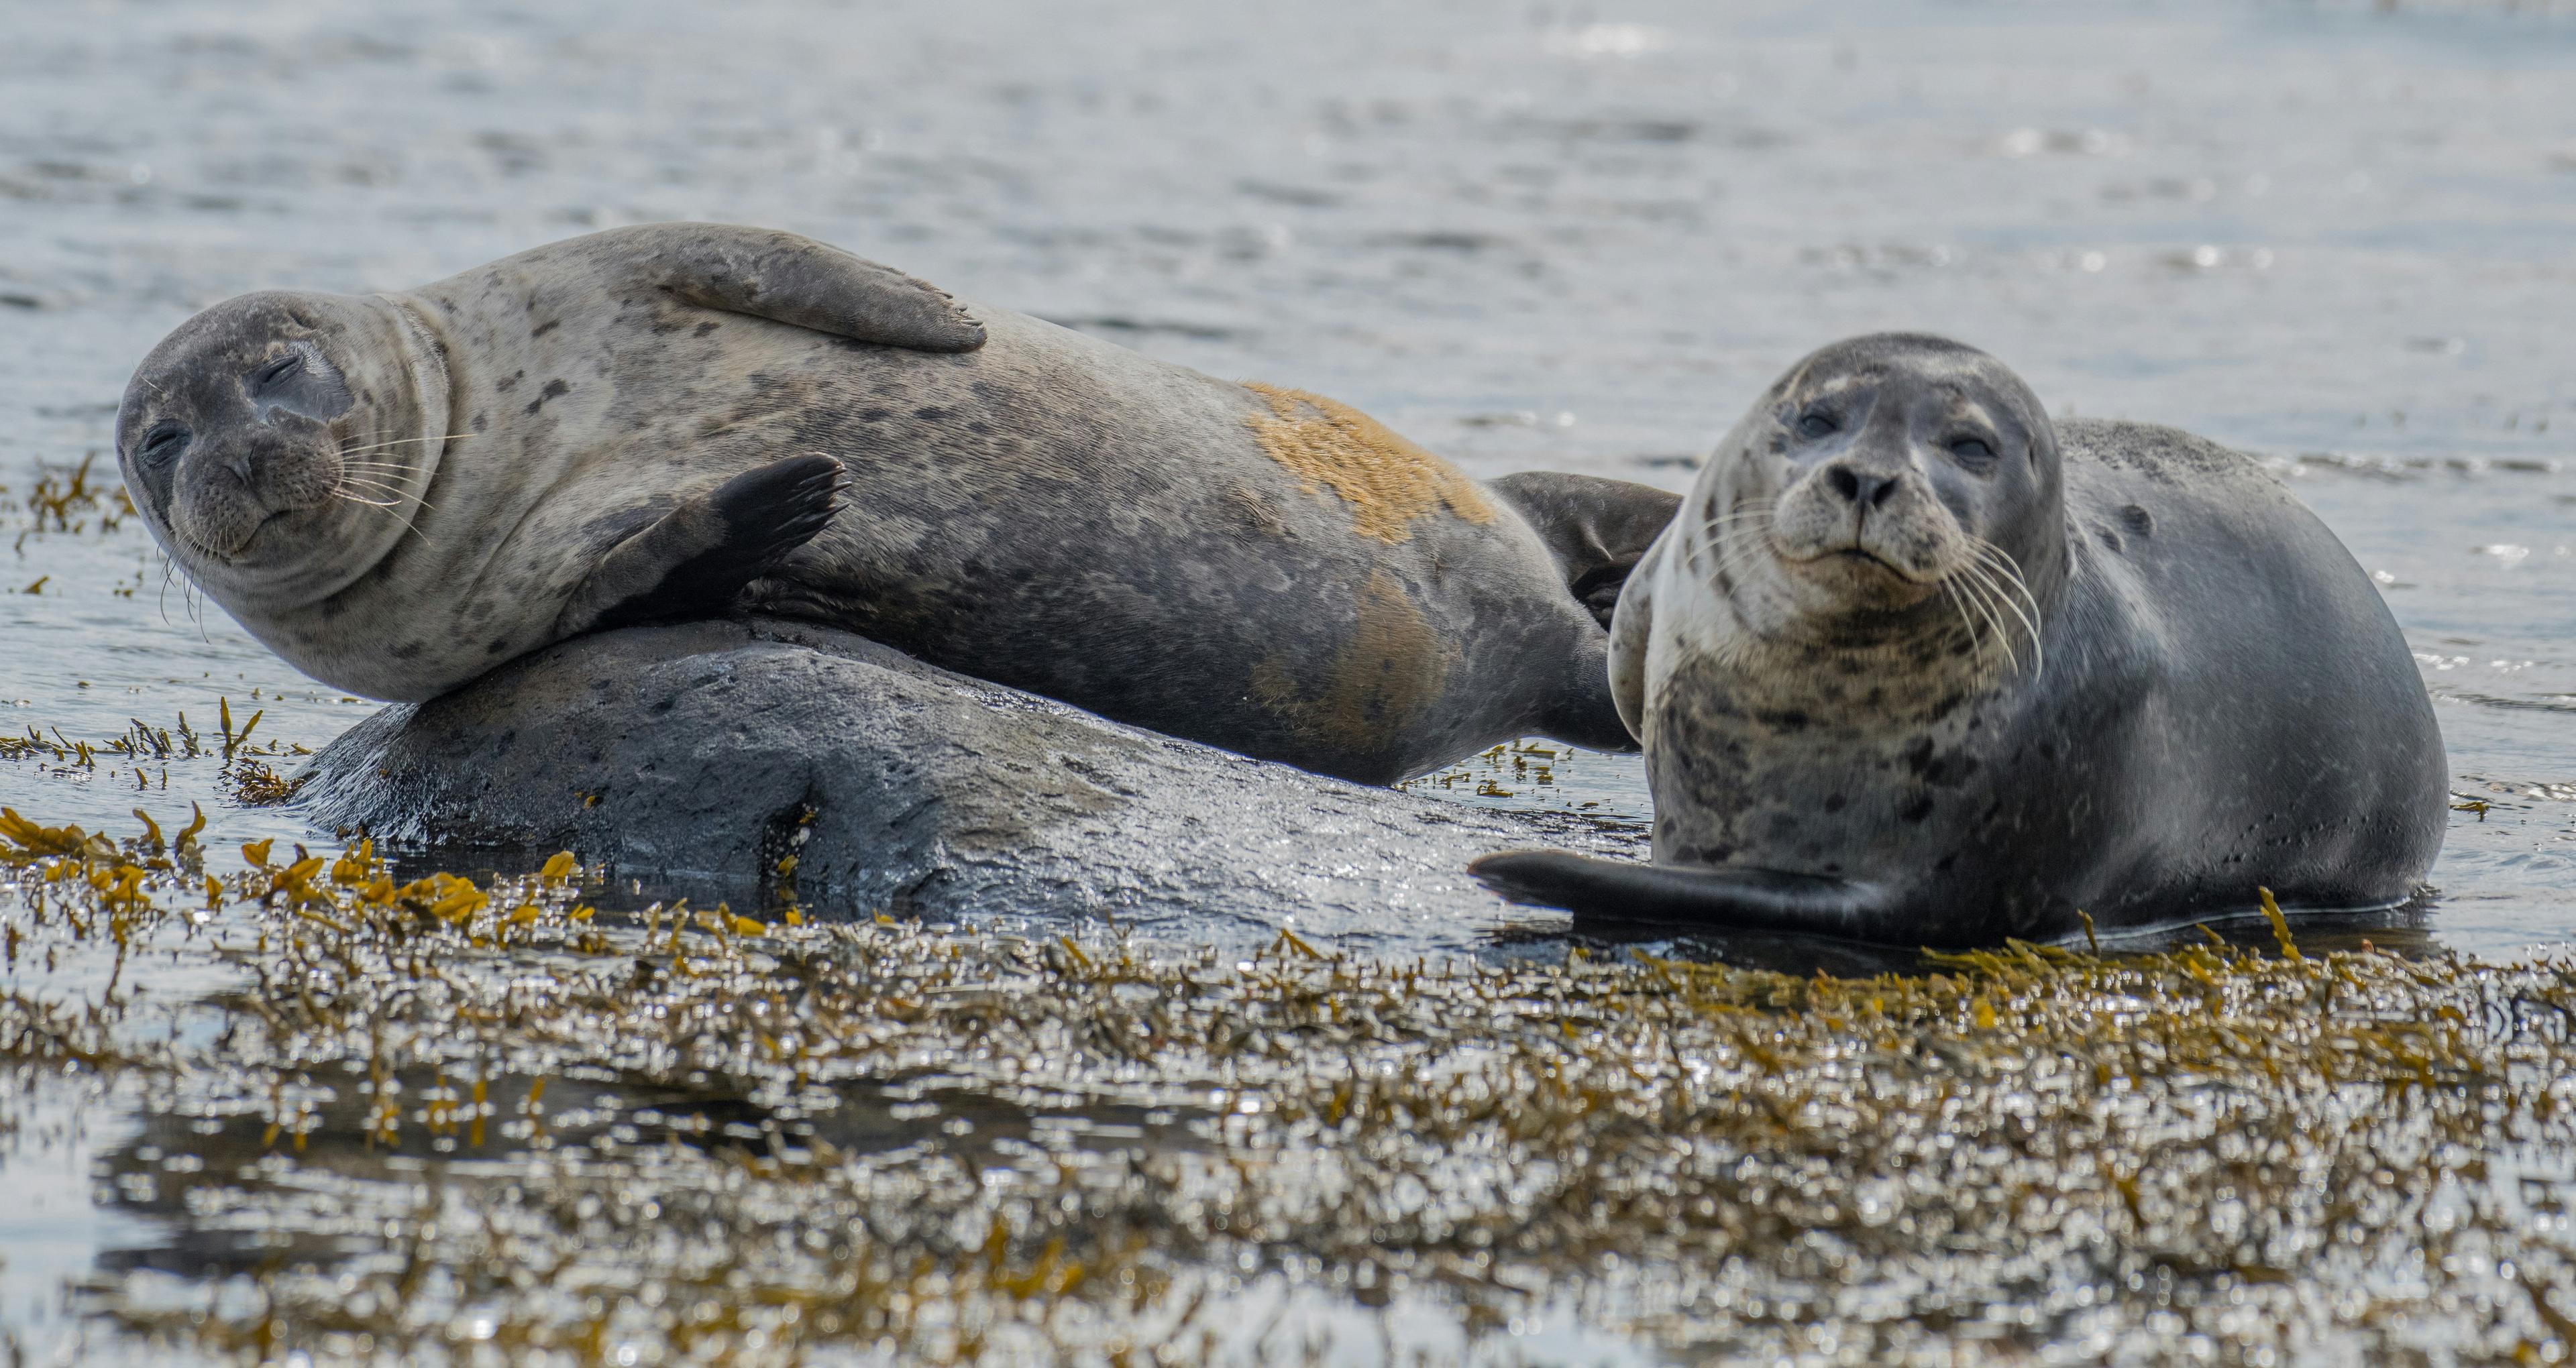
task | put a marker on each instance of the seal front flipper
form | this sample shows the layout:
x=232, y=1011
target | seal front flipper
x=693, y=560
x=788, y=279
x=1723, y=899
x=1596, y=529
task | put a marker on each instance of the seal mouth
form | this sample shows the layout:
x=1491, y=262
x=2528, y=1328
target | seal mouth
x=240, y=547
x=1856, y=560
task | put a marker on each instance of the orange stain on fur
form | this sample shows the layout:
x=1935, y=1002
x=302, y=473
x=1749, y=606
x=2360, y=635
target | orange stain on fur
x=1387, y=481
x=1384, y=676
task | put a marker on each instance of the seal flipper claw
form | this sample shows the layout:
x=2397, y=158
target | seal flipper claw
x=793, y=280
x=1596, y=529
x=1722, y=899
x=694, y=560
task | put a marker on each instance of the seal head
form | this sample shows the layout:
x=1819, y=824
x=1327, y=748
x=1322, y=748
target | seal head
x=1885, y=466
x=278, y=444
x=1895, y=503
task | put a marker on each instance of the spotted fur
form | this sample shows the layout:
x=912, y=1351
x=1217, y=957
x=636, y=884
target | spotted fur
x=549, y=435
x=1893, y=686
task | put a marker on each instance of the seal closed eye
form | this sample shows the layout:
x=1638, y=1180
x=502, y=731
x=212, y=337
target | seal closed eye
x=1893, y=688
x=397, y=492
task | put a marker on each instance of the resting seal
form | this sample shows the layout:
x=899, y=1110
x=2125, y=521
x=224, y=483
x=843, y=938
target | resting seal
x=1915, y=666
x=398, y=492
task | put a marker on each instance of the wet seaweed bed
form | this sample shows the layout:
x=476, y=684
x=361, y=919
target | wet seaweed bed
x=437, y=1120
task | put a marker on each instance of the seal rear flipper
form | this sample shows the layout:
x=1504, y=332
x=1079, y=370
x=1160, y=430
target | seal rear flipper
x=1723, y=899
x=695, y=559
x=793, y=280
x=1596, y=529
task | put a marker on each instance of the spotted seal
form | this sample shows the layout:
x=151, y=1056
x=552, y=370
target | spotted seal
x=397, y=492
x=1917, y=666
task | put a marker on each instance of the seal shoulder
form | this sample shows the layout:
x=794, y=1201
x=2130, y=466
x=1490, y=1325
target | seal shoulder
x=2134, y=486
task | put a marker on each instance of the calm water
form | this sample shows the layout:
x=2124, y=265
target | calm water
x=1525, y=235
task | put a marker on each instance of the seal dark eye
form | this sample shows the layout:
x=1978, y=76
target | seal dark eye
x=1817, y=424
x=1972, y=452
x=278, y=369
x=162, y=444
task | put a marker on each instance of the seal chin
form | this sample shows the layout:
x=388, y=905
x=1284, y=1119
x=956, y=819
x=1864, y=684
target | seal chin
x=228, y=538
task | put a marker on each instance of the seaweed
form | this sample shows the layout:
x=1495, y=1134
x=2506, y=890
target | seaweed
x=446, y=1119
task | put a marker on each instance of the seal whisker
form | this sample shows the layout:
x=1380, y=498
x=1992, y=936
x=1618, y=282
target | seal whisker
x=2008, y=607
x=1982, y=591
x=375, y=484
x=367, y=486
x=378, y=471
x=1722, y=532
x=387, y=509
x=412, y=441
x=2000, y=561
x=1950, y=594
x=358, y=440
x=1736, y=518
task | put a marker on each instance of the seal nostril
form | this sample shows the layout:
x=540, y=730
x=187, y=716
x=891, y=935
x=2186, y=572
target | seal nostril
x=1859, y=488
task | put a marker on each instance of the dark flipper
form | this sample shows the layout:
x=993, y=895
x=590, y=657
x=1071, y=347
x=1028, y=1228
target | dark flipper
x=1595, y=528
x=788, y=279
x=1710, y=899
x=697, y=558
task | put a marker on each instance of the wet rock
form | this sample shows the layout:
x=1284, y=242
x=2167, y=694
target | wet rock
x=715, y=751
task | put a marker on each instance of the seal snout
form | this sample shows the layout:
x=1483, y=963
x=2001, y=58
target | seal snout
x=231, y=488
x=1856, y=512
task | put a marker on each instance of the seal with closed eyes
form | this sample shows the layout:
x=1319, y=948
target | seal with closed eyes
x=398, y=492
x=1915, y=666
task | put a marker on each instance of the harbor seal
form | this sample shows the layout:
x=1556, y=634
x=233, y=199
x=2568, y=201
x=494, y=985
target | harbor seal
x=398, y=492
x=1915, y=666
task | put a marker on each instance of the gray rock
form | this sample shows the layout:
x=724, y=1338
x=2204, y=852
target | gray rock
x=712, y=751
